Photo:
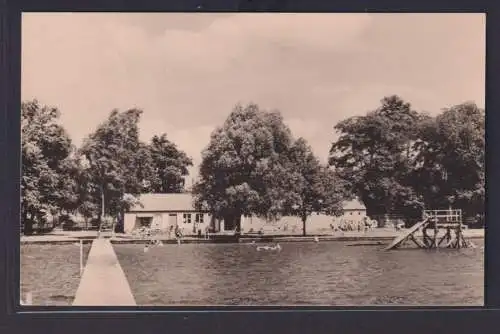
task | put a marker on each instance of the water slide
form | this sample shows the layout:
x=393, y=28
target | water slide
x=398, y=240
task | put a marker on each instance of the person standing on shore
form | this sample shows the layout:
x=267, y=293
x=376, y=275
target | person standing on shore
x=178, y=234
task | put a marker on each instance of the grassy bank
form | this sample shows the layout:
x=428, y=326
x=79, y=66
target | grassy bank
x=377, y=235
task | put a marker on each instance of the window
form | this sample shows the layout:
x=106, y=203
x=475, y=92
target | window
x=187, y=218
x=198, y=218
x=145, y=221
x=350, y=213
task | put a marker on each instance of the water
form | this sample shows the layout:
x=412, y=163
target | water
x=325, y=273
x=51, y=273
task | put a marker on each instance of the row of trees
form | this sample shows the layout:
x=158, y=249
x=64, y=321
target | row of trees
x=101, y=177
x=399, y=160
x=394, y=159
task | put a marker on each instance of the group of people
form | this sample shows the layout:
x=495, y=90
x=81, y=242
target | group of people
x=354, y=225
x=153, y=234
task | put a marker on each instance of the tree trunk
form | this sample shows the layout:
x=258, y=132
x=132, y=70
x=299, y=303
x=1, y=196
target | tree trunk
x=232, y=222
x=102, y=213
x=304, y=218
x=113, y=226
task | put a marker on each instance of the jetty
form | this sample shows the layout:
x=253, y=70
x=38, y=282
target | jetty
x=103, y=282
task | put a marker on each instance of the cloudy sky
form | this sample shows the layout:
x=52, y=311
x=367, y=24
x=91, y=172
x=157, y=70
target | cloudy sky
x=187, y=71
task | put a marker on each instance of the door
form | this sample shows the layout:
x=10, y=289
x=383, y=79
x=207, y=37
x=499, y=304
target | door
x=172, y=219
x=157, y=221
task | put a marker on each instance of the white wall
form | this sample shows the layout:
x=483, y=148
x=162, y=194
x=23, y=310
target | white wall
x=187, y=228
x=129, y=222
x=355, y=215
x=162, y=221
x=314, y=222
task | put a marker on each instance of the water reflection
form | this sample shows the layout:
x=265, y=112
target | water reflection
x=327, y=273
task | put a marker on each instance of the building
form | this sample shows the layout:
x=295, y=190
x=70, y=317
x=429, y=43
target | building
x=354, y=210
x=165, y=211
x=316, y=223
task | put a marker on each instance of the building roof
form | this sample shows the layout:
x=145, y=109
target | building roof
x=184, y=202
x=354, y=205
x=164, y=202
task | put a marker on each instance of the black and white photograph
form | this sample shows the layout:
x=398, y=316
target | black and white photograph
x=252, y=159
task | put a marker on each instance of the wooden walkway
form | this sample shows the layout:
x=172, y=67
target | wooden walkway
x=103, y=282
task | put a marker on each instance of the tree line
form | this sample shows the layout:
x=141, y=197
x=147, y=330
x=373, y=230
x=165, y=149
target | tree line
x=101, y=178
x=399, y=160
x=394, y=159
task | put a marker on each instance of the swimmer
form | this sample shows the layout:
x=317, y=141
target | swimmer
x=270, y=248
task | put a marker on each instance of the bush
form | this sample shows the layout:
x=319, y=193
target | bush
x=67, y=223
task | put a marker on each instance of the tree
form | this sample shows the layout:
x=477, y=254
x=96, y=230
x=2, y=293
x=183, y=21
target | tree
x=243, y=166
x=115, y=162
x=450, y=168
x=46, y=178
x=374, y=154
x=314, y=188
x=169, y=166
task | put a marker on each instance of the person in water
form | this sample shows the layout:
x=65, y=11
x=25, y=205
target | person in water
x=275, y=247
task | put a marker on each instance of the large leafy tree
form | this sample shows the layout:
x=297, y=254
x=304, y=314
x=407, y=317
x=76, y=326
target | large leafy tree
x=375, y=155
x=450, y=168
x=314, y=188
x=252, y=166
x=243, y=167
x=46, y=184
x=169, y=166
x=116, y=161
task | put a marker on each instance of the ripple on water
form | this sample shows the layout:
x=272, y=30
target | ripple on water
x=327, y=273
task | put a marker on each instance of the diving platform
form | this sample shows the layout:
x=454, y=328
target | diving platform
x=446, y=229
x=406, y=234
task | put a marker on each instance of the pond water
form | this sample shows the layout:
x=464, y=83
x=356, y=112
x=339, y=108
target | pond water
x=303, y=273
x=51, y=273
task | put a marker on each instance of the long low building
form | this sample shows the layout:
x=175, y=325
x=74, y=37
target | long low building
x=166, y=211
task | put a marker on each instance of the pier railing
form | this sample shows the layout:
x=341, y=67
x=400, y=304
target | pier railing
x=450, y=216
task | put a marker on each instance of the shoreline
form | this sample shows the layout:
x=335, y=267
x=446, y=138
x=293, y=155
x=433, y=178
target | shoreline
x=381, y=237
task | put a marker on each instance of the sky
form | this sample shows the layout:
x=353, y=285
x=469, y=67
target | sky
x=187, y=71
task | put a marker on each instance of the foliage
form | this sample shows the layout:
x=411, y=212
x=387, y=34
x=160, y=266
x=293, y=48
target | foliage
x=374, y=155
x=252, y=166
x=315, y=188
x=241, y=155
x=119, y=166
x=115, y=165
x=169, y=166
x=450, y=165
x=398, y=160
x=46, y=184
